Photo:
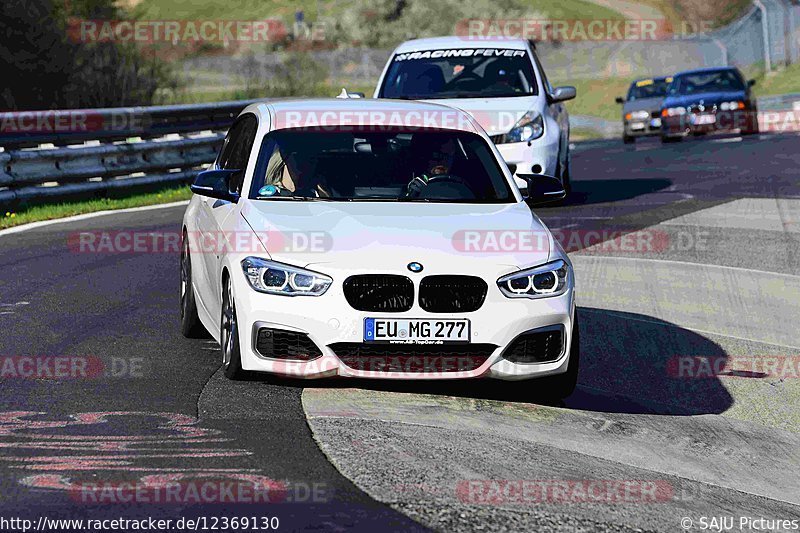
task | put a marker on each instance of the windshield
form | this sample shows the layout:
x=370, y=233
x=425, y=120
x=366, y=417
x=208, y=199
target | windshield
x=361, y=165
x=707, y=82
x=465, y=73
x=648, y=89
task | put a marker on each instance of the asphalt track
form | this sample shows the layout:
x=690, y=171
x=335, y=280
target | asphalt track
x=721, y=282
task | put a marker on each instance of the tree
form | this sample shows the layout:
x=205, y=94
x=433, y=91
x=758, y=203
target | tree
x=48, y=68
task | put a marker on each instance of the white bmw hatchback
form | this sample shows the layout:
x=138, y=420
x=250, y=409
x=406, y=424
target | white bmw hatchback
x=375, y=239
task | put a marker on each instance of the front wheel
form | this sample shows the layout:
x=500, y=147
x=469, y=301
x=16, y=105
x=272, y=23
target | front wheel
x=627, y=139
x=566, y=177
x=191, y=327
x=752, y=130
x=229, y=335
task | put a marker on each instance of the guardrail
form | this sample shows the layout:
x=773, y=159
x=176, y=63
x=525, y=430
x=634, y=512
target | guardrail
x=782, y=102
x=128, y=147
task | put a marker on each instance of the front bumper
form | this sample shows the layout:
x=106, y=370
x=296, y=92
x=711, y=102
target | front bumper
x=524, y=159
x=329, y=319
x=718, y=121
x=642, y=128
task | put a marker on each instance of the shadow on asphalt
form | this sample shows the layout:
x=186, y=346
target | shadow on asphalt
x=587, y=192
x=629, y=364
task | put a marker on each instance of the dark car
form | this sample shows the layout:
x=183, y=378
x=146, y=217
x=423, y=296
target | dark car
x=641, y=110
x=708, y=100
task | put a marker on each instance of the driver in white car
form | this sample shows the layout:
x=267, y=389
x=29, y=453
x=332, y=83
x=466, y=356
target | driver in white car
x=439, y=163
x=290, y=172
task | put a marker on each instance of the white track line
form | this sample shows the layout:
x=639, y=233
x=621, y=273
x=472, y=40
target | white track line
x=686, y=263
x=34, y=225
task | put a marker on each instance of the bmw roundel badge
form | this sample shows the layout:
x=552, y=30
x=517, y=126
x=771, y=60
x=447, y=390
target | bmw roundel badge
x=415, y=267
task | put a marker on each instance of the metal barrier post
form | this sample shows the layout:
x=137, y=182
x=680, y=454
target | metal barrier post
x=765, y=32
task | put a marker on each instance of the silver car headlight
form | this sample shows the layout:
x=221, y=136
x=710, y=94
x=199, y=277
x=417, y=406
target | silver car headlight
x=542, y=281
x=277, y=278
x=527, y=128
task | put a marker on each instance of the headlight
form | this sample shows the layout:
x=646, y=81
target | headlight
x=277, y=278
x=673, y=111
x=637, y=115
x=538, y=282
x=528, y=128
x=731, y=106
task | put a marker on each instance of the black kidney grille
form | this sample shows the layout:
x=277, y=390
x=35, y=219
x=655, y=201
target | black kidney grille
x=282, y=344
x=452, y=294
x=379, y=292
x=538, y=346
x=413, y=358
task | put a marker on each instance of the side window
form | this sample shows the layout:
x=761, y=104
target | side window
x=738, y=76
x=236, y=150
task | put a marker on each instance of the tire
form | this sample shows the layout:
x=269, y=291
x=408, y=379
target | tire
x=753, y=126
x=229, y=335
x=666, y=140
x=628, y=139
x=563, y=385
x=191, y=327
x=751, y=131
x=566, y=178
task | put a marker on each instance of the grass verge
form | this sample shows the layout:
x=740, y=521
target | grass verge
x=596, y=97
x=779, y=82
x=333, y=9
x=690, y=13
x=199, y=95
x=585, y=134
x=243, y=10
x=67, y=209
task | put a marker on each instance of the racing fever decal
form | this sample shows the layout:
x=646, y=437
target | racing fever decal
x=463, y=52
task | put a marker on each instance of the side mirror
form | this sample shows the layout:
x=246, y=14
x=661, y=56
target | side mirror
x=522, y=185
x=349, y=94
x=619, y=100
x=562, y=94
x=215, y=183
x=751, y=83
x=542, y=189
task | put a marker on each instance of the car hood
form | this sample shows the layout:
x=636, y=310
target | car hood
x=707, y=99
x=646, y=104
x=387, y=236
x=495, y=115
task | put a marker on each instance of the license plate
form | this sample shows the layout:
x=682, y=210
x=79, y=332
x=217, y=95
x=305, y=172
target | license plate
x=411, y=330
x=704, y=119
